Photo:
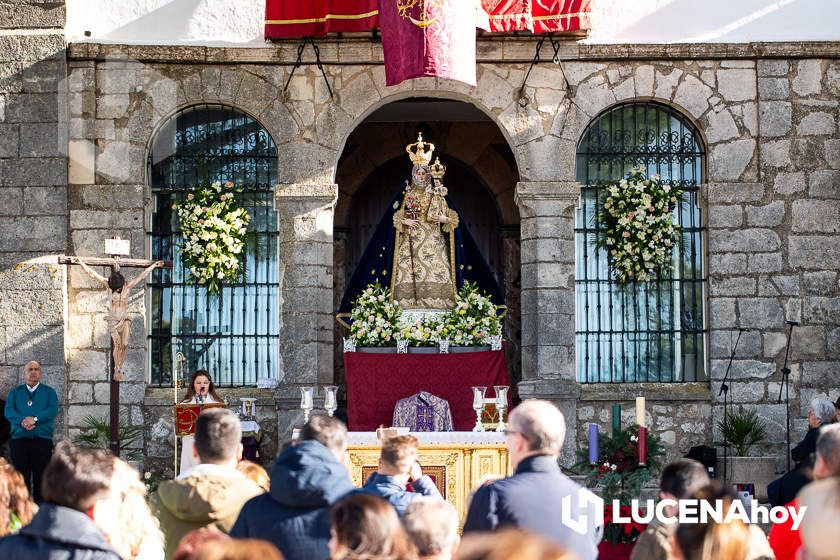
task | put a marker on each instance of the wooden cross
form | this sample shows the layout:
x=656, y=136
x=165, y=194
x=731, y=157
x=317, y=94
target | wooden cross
x=119, y=323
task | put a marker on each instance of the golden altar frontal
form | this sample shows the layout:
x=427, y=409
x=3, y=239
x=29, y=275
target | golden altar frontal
x=458, y=462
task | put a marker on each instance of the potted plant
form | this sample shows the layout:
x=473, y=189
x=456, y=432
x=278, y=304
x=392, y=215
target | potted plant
x=741, y=430
x=97, y=434
x=620, y=478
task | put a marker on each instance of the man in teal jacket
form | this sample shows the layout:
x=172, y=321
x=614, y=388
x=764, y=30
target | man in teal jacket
x=31, y=410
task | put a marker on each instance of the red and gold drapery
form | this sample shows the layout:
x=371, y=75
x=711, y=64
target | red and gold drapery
x=286, y=18
x=311, y=18
x=537, y=16
x=424, y=37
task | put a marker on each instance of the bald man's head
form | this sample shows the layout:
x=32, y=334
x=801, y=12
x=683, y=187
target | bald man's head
x=541, y=424
x=32, y=373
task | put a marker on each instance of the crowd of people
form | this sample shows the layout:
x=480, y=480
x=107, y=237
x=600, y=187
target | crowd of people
x=93, y=505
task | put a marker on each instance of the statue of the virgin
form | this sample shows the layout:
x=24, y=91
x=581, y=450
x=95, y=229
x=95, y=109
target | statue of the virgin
x=421, y=249
x=424, y=258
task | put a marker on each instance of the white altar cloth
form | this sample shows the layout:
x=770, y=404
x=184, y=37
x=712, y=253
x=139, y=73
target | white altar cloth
x=435, y=438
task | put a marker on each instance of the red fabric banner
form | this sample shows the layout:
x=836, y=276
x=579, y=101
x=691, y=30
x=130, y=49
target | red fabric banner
x=428, y=38
x=287, y=18
x=539, y=16
x=375, y=382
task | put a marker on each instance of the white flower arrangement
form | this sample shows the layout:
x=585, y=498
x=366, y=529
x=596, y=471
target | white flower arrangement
x=474, y=320
x=637, y=218
x=376, y=321
x=213, y=226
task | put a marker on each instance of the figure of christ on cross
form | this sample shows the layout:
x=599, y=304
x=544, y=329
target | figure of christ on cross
x=119, y=323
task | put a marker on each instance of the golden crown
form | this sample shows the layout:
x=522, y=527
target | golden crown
x=437, y=169
x=418, y=153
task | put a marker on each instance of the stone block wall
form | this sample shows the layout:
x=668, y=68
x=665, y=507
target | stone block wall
x=769, y=125
x=33, y=176
x=774, y=248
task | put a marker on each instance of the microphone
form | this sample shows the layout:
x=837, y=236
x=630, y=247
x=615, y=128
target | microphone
x=201, y=397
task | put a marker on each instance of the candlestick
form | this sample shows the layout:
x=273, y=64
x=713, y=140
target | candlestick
x=640, y=411
x=478, y=406
x=642, y=445
x=593, y=444
x=616, y=419
x=330, y=400
x=501, y=405
x=306, y=401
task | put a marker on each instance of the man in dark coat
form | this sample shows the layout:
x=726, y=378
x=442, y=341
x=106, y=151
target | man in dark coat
x=538, y=497
x=77, y=490
x=306, y=480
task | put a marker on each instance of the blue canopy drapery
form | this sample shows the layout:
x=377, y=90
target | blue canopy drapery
x=377, y=260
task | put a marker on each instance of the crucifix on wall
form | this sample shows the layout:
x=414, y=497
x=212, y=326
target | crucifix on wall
x=119, y=322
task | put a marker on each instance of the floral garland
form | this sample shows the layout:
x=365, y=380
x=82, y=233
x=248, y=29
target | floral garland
x=637, y=217
x=376, y=319
x=213, y=226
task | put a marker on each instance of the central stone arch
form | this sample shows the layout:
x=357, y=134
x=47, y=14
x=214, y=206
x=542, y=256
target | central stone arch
x=482, y=176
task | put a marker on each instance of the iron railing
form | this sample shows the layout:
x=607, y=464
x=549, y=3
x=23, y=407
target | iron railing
x=233, y=335
x=640, y=332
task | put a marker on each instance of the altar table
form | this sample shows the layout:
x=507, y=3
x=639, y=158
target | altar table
x=458, y=462
x=375, y=382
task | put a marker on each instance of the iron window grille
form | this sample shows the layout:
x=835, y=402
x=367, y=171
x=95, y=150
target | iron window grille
x=640, y=332
x=233, y=335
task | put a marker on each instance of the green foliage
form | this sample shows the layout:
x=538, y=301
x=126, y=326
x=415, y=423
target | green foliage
x=618, y=472
x=743, y=429
x=619, y=475
x=97, y=434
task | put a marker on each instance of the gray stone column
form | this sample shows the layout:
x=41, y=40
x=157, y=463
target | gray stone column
x=306, y=299
x=547, y=211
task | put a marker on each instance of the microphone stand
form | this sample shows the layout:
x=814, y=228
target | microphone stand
x=786, y=384
x=724, y=390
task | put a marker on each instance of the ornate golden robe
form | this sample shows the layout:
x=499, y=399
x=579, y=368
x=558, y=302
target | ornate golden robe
x=428, y=250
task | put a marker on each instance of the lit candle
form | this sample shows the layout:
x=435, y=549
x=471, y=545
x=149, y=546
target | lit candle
x=642, y=445
x=593, y=444
x=616, y=419
x=640, y=411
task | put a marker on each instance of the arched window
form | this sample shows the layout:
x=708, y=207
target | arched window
x=233, y=335
x=651, y=331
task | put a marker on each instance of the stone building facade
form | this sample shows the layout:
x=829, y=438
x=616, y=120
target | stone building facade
x=78, y=121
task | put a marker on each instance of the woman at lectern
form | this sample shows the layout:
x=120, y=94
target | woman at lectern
x=201, y=391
